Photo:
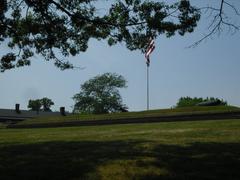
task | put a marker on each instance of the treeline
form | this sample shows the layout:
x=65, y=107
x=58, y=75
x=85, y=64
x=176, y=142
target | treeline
x=188, y=102
x=43, y=104
x=98, y=95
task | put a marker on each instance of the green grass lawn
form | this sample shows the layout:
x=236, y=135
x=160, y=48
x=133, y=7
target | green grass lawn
x=169, y=151
x=141, y=114
x=2, y=125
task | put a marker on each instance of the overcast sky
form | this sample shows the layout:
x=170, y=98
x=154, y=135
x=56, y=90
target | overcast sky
x=212, y=69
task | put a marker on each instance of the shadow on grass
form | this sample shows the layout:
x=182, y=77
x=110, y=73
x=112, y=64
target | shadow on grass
x=80, y=160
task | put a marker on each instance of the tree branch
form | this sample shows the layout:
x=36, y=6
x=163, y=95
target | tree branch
x=233, y=7
x=218, y=21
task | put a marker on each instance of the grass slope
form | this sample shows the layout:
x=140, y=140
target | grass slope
x=176, y=150
x=141, y=114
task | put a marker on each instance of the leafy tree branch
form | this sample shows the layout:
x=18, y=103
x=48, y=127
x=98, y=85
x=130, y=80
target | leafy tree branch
x=36, y=27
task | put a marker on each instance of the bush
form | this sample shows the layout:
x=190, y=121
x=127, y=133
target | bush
x=188, y=102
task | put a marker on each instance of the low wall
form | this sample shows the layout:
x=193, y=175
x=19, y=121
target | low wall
x=175, y=118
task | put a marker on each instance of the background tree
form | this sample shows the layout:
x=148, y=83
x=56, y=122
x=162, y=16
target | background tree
x=34, y=105
x=44, y=26
x=100, y=95
x=46, y=103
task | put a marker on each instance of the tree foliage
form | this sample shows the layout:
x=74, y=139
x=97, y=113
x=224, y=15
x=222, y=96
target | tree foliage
x=46, y=104
x=34, y=105
x=100, y=95
x=40, y=27
x=188, y=101
x=37, y=104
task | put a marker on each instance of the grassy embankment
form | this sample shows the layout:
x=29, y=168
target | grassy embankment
x=175, y=150
x=141, y=114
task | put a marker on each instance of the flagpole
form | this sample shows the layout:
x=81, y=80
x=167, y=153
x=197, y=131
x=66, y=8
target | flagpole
x=150, y=48
x=147, y=86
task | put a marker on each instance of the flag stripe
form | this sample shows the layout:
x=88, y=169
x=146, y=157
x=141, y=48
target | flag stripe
x=149, y=50
x=150, y=46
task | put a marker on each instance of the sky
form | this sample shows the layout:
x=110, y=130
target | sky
x=209, y=70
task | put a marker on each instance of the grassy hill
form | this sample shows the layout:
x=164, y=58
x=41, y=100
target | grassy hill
x=133, y=115
x=169, y=151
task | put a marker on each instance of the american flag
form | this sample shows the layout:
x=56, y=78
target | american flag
x=150, y=48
